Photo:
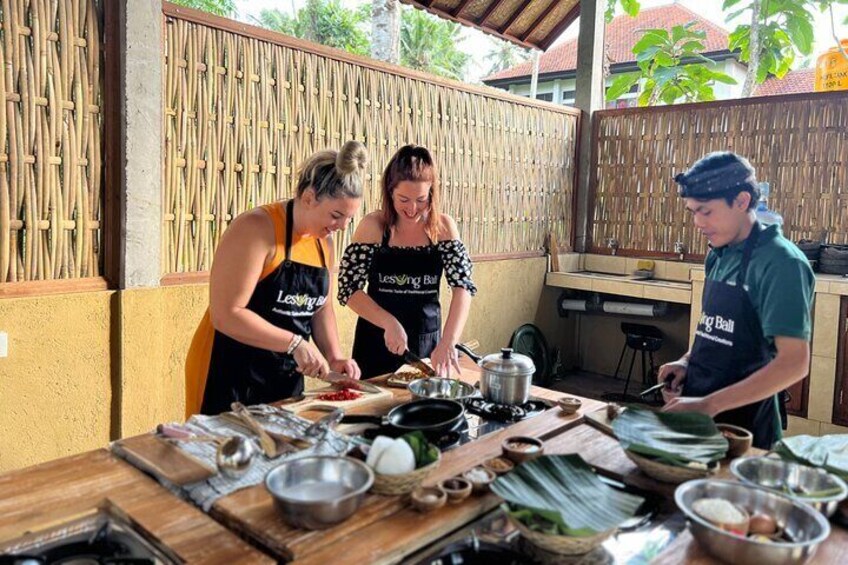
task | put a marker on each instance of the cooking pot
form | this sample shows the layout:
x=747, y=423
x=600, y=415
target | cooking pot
x=506, y=377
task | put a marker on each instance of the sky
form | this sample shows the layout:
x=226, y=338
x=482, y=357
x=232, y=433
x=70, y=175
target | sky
x=478, y=44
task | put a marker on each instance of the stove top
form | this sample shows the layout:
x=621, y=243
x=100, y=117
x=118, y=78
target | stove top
x=481, y=417
x=100, y=537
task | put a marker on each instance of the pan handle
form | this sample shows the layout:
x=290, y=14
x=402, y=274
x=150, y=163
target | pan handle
x=362, y=419
x=465, y=349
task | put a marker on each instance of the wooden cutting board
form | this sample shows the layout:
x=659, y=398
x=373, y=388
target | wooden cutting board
x=367, y=398
x=155, y=455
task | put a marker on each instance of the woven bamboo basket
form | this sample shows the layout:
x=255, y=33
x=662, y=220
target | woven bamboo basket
x=562, y=545
x=669, y=473
x=405, y=483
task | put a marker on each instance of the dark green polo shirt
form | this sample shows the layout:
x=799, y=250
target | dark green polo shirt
x=780, y=282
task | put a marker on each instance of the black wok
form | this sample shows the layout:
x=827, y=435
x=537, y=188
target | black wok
x=433, y=416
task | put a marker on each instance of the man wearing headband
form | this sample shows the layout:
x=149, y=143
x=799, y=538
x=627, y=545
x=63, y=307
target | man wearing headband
x=752, y=341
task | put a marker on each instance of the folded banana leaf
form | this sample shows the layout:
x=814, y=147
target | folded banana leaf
x=828, y=452
x=679, y=438
x=564, y=490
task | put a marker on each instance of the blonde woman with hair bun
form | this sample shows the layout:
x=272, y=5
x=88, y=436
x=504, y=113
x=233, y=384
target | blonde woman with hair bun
x=269, y=290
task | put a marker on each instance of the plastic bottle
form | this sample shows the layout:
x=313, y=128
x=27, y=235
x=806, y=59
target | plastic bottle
x=764, y=215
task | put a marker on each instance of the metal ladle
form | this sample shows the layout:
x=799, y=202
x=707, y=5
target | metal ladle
x=234, y=456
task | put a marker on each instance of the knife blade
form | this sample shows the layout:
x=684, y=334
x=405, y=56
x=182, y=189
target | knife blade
x=341, y=380
x=416, y=362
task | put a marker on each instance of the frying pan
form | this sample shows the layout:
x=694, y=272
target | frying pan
x=428, y=415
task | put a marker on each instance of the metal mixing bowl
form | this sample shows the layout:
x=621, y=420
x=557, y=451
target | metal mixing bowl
x=319, y=491
x=801, y=523
x=435, y=387
x=792, y=479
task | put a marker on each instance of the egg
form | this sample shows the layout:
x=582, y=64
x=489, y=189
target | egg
x=762, y=525
x=396, y=459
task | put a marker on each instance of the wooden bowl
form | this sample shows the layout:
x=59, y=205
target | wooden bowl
x=739, y=439
x=480, y=484
x=499, y=465
x=457, y=489
x=425, y=499
x=569, y=405
x=513, y=450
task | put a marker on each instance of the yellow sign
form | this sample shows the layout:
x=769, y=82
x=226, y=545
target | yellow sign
x=832, y=69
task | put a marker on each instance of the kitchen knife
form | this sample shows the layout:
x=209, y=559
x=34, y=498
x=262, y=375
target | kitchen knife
x=341, y=380
x=416, y=362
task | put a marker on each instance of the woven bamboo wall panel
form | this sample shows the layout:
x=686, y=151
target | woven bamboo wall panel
x=798, y=144
x=50, y=131
x=242, y=113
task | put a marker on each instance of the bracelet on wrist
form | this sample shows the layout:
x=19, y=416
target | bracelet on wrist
x=296, y=340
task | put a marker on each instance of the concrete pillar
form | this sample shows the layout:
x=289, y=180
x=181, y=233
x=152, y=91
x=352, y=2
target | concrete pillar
x=589, y=97
x=140, y=45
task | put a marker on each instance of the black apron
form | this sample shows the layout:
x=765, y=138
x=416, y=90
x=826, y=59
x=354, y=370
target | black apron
x=404, y=281
x=729, y=347
x=287, y=298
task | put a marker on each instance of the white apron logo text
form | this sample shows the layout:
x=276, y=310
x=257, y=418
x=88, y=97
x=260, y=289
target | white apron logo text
x=407, y=281
x=717, y=322
x=301, y=300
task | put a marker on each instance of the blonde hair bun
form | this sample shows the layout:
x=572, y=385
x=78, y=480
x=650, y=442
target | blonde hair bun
x=352, y=158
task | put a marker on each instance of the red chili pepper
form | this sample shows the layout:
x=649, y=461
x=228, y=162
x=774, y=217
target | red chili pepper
x=344, y=394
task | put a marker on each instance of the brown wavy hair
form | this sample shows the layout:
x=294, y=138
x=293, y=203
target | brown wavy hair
x=412, y=163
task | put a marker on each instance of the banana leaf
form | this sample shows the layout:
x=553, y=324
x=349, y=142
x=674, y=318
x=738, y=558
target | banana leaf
x=680, y=438
x=563, y=490
x=828, y=452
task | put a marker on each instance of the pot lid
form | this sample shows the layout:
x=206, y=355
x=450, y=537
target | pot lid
x=507, y=362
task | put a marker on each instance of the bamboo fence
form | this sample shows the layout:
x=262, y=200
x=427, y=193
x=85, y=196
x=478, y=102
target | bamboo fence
x=244, y=106
x=50, y=140
x=797, y=143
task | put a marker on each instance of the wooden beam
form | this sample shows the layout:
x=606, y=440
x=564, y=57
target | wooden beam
x=557, y=30
x=535, y=25
x=515, y=15
x=489, y=11
x=462, y=5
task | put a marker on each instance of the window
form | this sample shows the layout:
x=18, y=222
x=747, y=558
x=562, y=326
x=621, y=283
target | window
x=547, y=97
x=568, y=96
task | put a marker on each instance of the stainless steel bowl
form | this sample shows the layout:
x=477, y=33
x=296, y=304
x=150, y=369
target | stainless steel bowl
x=319, y=491
x=434, y=387
x=801, y=523
x=792, y=479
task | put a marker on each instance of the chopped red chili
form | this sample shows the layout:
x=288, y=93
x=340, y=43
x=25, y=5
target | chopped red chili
x=344, y=394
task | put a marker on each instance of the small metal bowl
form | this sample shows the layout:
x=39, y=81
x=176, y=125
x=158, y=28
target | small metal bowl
x=792, y=479
x=318, y=491
x=435, y=387
x=798, y=521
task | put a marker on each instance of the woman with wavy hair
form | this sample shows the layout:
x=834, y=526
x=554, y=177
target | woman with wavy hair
x=400, y=252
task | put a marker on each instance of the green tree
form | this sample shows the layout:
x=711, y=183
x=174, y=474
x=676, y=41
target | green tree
x=430, y=44
x=504, y=55
x=323, y=21
x=225, y=8
x=629, y=7
x=666, y=61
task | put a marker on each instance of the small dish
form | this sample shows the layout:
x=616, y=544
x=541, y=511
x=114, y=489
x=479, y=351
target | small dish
x=739, y=439
x=519, y=449
x=569, y=405
x=499, y=465
x=457, y=489
x=480, y=478
x=425, y=499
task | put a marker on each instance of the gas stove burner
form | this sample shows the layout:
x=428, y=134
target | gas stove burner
x=507, y=413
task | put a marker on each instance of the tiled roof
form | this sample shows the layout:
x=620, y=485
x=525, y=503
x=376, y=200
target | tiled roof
x=621, y=34
x=793, y=82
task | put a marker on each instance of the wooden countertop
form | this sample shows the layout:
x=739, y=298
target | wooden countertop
x=58, y=491
x=385, y=528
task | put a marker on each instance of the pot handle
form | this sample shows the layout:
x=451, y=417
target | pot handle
x=465, y=349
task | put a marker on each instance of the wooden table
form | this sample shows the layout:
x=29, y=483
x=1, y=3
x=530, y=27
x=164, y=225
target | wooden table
x=59, y=491
x=385, y=528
